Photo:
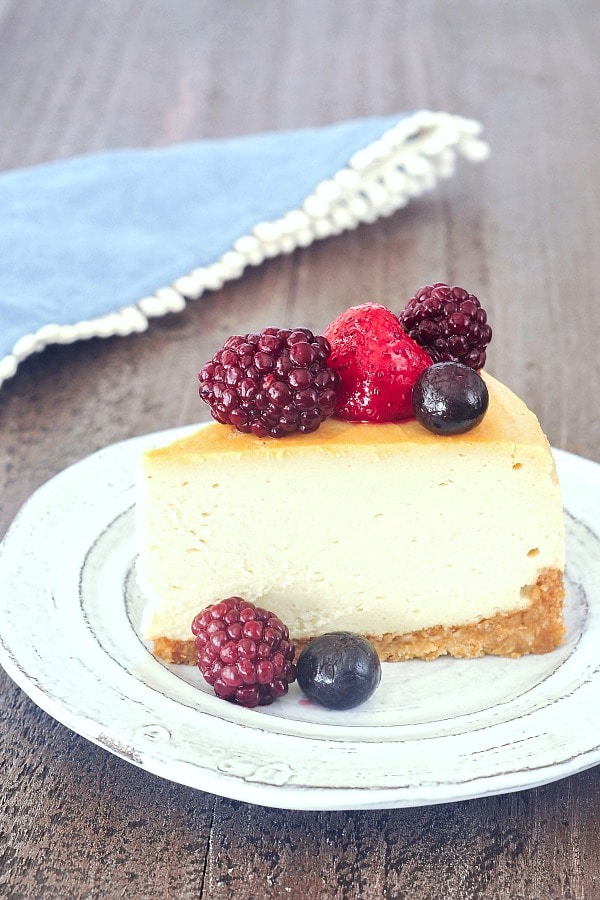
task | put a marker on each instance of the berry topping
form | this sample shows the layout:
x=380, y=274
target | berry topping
x=244, y=652
x=270, y=383
x=339, y=670
x=377, y=362
x=449, y=323
x=450, y=398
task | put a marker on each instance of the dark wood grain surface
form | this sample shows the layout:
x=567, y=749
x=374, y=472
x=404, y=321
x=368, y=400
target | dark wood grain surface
x=521, y=231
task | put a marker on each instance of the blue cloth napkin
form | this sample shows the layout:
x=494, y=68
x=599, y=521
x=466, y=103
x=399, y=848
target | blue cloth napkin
x=98, y=244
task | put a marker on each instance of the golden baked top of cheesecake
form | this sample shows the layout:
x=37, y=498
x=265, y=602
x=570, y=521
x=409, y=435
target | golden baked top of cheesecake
x=508, y=420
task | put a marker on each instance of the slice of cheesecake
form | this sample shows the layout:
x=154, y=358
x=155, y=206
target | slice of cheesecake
x=427, y=545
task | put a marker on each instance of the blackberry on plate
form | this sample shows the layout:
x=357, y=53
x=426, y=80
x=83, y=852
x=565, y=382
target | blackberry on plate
x=244, y=652
x=450, y=398
x=449, y=323
x=272, y=383
x=339, y=670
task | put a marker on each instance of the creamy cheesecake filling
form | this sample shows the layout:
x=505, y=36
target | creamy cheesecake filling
x=380, y=529
x=325, y=545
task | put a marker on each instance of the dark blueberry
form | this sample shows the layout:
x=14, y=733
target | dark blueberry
x=338, y=670
x=450, y=398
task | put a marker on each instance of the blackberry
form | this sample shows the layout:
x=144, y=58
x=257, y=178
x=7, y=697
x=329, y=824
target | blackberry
x=449, y=323
x=339, y=670
x=244, y=652
x=450, y=398
x=272, y=383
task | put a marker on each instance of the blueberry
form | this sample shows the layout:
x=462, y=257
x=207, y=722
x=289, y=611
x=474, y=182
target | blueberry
x=339, y=670
x=450, y=398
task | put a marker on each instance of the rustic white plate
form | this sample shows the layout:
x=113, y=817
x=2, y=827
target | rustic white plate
x=433, y=732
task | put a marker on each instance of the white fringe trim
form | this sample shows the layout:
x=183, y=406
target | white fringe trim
x=405, y=162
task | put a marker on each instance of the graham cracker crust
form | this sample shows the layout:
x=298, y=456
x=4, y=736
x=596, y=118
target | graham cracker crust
x=537, y=629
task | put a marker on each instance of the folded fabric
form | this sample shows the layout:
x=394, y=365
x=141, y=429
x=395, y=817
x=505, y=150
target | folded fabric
x=97, y=245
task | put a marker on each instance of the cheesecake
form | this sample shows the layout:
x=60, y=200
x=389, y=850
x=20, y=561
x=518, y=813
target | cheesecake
x=426, y=545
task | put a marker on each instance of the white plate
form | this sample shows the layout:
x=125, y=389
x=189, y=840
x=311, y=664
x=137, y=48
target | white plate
x=433, y=732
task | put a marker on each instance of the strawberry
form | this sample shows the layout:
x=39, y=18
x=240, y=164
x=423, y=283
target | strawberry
x=377, y=362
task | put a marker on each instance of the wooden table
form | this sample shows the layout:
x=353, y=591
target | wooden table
x=521, y=231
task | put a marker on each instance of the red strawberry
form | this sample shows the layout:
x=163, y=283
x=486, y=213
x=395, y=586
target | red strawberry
x=377, y=362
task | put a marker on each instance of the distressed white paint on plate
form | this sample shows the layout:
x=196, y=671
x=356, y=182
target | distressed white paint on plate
x=434, y=732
